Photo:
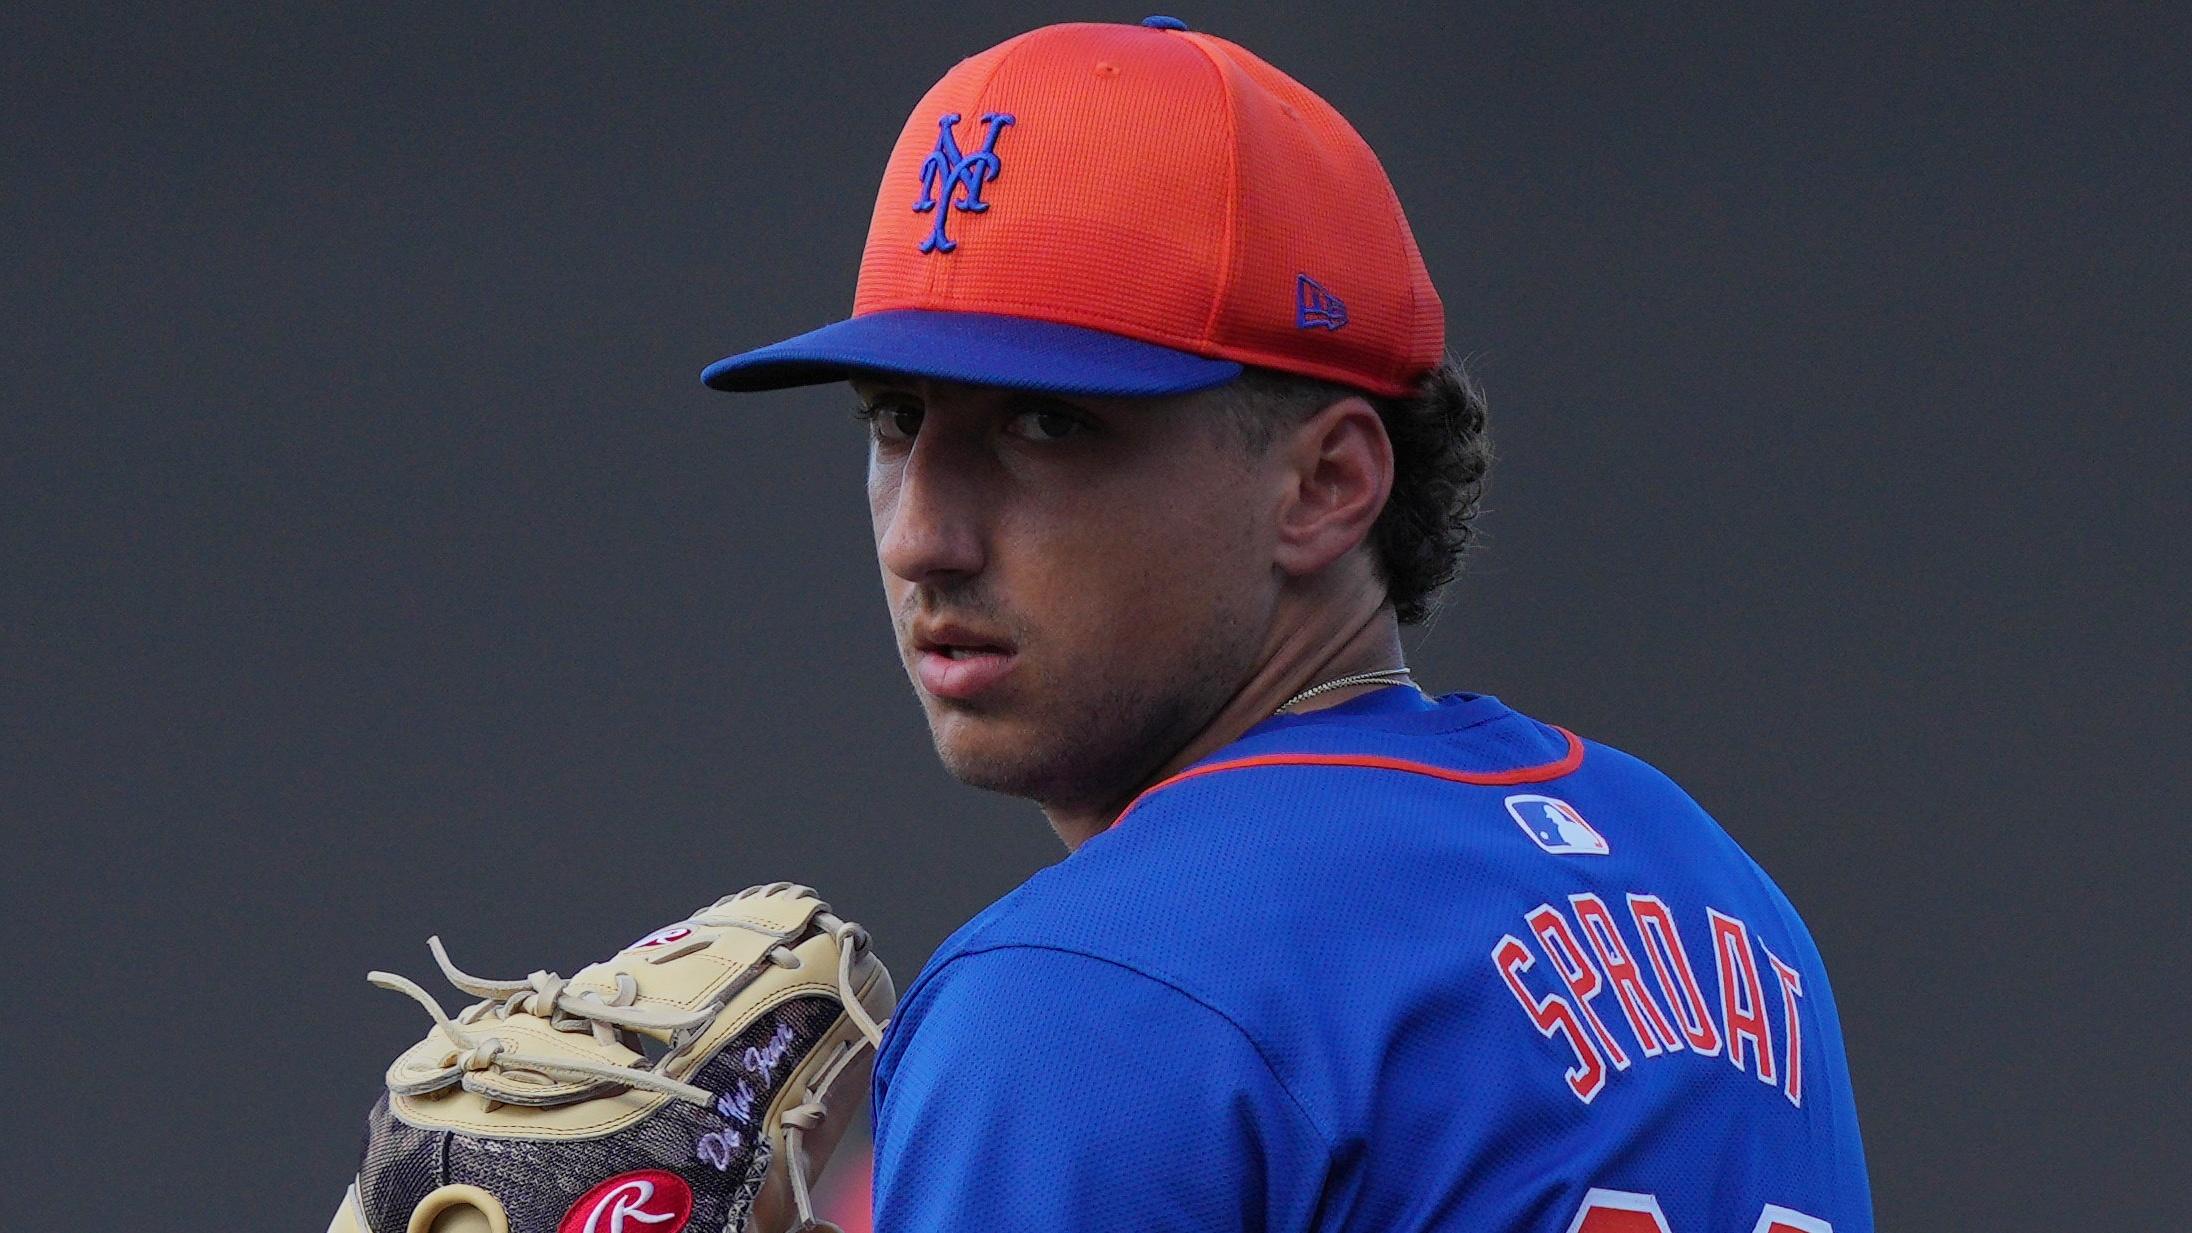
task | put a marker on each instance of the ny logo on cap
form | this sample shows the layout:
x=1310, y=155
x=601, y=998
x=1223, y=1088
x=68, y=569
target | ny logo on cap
x=945, y=171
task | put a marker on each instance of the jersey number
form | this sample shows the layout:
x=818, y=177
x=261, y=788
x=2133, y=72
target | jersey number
x=1625, y=1211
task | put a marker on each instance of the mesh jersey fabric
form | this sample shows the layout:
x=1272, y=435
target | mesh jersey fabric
x=1317, y=998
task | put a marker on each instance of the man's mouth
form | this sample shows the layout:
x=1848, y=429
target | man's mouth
x=958, y=662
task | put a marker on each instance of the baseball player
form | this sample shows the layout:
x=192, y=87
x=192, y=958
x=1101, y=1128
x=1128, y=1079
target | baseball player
x=1164, y=449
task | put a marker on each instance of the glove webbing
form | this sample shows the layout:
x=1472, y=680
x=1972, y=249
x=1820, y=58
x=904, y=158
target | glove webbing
x=546, y=991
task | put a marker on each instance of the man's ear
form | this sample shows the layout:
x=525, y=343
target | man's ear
x=1338, y=473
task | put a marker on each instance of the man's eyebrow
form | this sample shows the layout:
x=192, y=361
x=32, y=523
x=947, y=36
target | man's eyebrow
x=870, y=387
x=1020, y=401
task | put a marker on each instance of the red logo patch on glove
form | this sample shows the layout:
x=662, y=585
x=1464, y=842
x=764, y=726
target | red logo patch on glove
x=662, y=937
x=648, y=1201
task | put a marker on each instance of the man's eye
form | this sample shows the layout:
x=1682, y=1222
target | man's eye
x=1046, y=424
x=890, y=421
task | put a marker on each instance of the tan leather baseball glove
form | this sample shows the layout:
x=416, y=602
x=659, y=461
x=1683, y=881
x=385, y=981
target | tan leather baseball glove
x=696, y=1081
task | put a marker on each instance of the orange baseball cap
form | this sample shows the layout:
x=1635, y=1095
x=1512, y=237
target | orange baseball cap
x=1125, y=210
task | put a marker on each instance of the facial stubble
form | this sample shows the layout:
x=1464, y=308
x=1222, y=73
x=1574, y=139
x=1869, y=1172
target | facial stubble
x=1097, y=745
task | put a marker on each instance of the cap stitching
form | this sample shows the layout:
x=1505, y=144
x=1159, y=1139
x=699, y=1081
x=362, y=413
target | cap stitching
x=1224, y=286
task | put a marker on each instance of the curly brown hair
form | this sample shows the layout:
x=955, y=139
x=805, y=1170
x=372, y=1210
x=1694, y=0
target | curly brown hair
x=1441, y=451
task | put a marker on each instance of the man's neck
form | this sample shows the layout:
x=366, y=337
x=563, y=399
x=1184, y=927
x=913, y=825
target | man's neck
x=1369, y=639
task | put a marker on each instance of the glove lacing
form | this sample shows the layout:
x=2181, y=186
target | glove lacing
x=546, y=995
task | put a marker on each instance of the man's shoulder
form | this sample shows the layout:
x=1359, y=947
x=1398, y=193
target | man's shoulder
x=1460, y=758
x=1275, y=827
x=1019, y=978
x=1289, y=888
x=1276, y=848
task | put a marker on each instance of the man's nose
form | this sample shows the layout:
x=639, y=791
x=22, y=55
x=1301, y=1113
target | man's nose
x=930, y=530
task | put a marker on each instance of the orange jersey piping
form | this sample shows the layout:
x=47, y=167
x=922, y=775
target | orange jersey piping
x=1566, y=764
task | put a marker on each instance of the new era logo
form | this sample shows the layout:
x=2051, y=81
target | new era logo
x=1316, y=308
x=1556, y=826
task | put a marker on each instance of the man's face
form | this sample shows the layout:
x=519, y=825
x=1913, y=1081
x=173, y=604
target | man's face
x=1077, y=585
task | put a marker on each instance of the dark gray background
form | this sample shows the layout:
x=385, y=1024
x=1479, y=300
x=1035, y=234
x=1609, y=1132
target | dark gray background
x=376, y=565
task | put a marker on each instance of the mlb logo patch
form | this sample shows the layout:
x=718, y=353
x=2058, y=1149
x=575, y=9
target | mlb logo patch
x=1556, y=826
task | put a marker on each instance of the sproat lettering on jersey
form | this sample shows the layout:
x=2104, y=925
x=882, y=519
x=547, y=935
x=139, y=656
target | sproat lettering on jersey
x=1589, y=954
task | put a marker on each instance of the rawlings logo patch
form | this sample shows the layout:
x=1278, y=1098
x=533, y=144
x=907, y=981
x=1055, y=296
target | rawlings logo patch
x=649, y=1201
x=662, y=937
x=946, y=172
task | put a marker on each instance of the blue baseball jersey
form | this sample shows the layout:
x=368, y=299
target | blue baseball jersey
x=1399, y=964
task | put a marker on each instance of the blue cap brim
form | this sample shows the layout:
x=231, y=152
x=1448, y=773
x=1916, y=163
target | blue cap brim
x=975, y=349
